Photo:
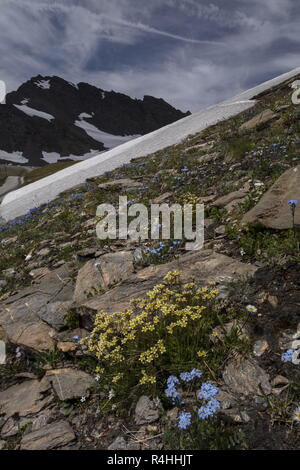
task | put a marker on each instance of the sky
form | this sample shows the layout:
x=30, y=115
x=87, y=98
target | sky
x=192, y=53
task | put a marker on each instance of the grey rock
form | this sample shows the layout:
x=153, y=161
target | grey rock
x=125, y=183
x=118, y=444
x=225, y=200
x=69, y=383
x=220, y=230
x=56, y=313
x=20, y=314
x=260, y=119
x=203, y=266
x=25, y=398
x=102, y=273
x=147, y=411
x=246, y=377
x=48, y=437
x=13, y=426
x=260, y=347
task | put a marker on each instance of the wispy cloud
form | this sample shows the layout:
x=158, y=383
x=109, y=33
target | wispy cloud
x=190, y=52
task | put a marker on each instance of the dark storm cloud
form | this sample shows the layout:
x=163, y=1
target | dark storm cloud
x=189, y=52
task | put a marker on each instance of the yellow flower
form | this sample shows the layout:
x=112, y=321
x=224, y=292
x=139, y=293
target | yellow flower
x=202, y=353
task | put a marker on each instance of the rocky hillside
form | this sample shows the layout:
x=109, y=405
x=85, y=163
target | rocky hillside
x=210, y=338
x=48, y=120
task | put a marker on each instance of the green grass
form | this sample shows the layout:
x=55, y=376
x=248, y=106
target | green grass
x=47, y=170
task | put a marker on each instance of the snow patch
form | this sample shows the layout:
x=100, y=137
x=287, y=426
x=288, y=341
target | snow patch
x=74, y=85
x=15, y=157
x=109, y=140
x=44, y=84
x=54, y=157
x=34, y=112
x=84, y=115
x=51, y=157
x=25, y=101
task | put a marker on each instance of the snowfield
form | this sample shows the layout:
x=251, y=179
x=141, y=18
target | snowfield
x=21, y=201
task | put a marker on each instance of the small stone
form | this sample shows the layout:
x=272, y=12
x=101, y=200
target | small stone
x=43, y=253
x=279, y=384
x=273, y=300
x=118, y=444
x=66, y=346
x=260, y=347
x=220, y=230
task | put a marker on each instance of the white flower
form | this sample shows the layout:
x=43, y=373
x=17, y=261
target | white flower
x=296, y=415
x=111, y=394
x=242, y=251
x=97, y=378
x=82, y=399
x=251, y=308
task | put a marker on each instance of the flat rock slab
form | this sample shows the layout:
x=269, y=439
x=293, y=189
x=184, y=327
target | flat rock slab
x=102, y=273
x=49, y=437
x=69, y=383
x=204, y=266
x=246, y=378
x=125, y=183
x=22, y=315
x=273, y=210
x=25, y=398
x=260, y=119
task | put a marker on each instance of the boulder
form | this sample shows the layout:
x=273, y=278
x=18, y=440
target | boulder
x=203, y=266
x=102, y=273
x=273, y=211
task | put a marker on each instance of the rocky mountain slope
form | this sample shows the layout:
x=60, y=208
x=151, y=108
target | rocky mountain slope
x=212, y=353
x=49, y=119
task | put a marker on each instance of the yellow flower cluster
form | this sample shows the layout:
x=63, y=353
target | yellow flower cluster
x=153, y=353
x=139, y=336
x=190, y=198
x=147, y=379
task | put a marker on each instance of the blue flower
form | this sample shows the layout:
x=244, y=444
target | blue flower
x=189, y=376
x=184, y=420
x=287, y=356
x=207, y=391
x=293, y=202
x=171, y=391
x=210, y=409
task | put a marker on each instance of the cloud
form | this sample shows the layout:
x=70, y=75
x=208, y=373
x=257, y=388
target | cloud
x=192, y=53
